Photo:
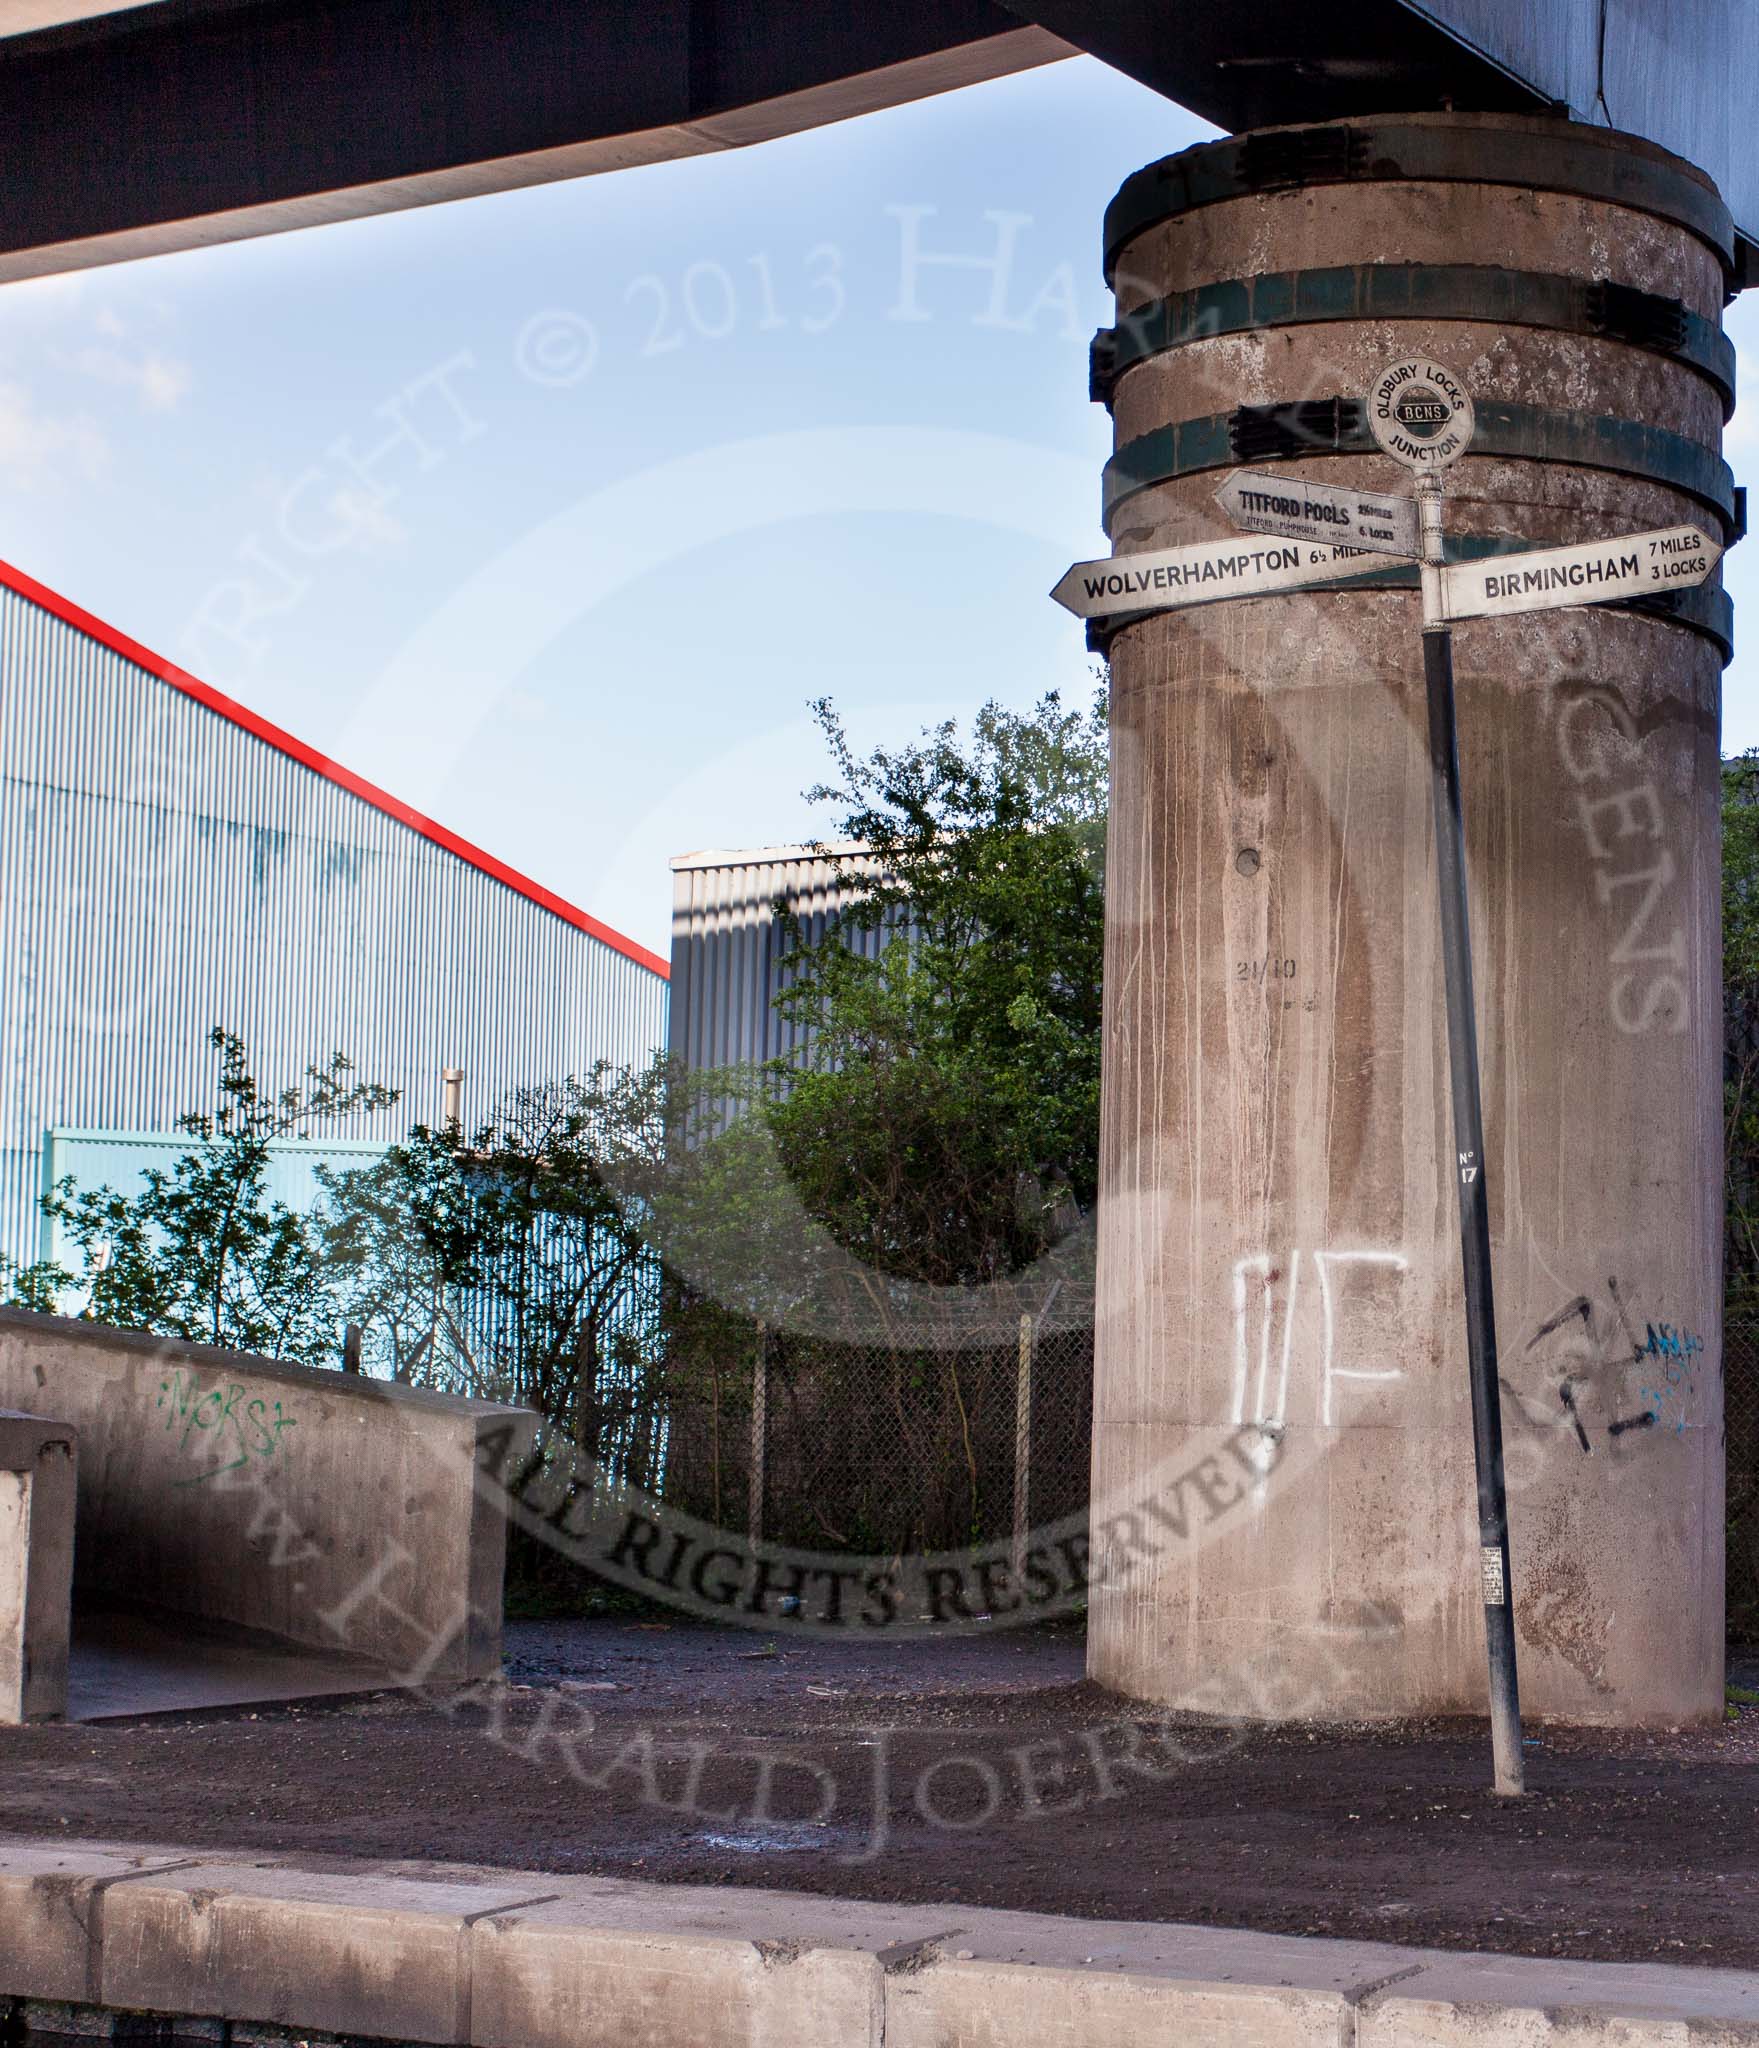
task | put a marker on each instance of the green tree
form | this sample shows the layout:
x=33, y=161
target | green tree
x=399, y=1245
x=40, y=1286
x=202, y=1251
x=945, y=1125
x=510, y=1262
x=1740, y=997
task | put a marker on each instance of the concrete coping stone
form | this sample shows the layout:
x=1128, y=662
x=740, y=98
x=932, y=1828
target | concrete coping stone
x=216, y=1359
x=453, y=1954
x=24, y=1438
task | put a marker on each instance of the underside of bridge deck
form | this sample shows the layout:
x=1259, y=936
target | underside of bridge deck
x=168, y=125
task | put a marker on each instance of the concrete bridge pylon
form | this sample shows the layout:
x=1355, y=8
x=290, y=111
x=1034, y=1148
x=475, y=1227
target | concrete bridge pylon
x=1279, y=1276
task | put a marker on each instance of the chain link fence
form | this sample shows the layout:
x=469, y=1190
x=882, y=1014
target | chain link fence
x=891, y=1449
x=887, y=1451
x=1740, y=1351
x=880, y=1449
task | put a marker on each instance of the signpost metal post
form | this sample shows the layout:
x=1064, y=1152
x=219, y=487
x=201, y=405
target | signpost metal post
x=1420, y=414
x=1474, y=1200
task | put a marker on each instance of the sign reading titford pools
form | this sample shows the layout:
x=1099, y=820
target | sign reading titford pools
x=1262, y=502
x=1419, y=414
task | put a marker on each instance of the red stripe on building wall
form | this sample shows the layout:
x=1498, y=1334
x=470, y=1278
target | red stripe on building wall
x=259, y=728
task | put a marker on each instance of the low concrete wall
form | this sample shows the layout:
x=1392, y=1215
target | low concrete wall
x=38, y=1478
x=525, y=1959
x=313, y=1507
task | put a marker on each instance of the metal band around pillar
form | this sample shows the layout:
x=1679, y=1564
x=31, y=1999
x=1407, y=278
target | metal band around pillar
x=1415, y=291
x=1338, y=426
x=1707, y=610
x=1619, y=170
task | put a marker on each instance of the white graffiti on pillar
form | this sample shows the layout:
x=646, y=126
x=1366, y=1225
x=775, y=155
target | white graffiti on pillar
x=1264, y=1409
x=1277, y=1288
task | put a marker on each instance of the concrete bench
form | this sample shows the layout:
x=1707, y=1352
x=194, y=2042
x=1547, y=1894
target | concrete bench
x=38, y=1462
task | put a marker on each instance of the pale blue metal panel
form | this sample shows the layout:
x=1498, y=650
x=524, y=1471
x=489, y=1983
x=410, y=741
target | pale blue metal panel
x=163, y=871
x=120, y=1160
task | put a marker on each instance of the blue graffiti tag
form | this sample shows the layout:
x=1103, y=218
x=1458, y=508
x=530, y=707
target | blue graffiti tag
x=1672, y=1348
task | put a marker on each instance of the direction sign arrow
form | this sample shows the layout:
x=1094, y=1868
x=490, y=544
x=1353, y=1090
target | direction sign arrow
x=1383, y=522
x=1593, y=572
x=1200, y=574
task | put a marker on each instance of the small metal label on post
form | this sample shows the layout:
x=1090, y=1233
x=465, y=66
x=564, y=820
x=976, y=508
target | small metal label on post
x=1420, y=414
x=1496, y=1592
x=1384, y=522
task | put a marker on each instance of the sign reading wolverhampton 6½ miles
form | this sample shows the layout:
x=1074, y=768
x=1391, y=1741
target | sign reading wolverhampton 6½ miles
x=1199, y=574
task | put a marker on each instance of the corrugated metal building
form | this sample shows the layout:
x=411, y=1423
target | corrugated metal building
x=169, y=862
x=729, y=949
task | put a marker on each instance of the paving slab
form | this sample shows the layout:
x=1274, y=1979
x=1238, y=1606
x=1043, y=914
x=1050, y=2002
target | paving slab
x=469, y=1957
x=546, y=1981
x=340, y=1951
x=1514, y=2002
x=50, y=1945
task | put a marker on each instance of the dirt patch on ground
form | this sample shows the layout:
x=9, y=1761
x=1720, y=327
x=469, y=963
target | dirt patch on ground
x=979, y=1771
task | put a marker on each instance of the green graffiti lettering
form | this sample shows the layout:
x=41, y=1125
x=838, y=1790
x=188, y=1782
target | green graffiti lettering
x=225, y=1418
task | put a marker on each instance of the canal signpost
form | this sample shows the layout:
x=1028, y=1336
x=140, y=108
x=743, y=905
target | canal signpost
x=1421, y=415
x=1396, y=435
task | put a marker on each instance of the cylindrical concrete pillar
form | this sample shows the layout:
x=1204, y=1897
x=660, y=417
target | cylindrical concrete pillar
x=1279, y=1270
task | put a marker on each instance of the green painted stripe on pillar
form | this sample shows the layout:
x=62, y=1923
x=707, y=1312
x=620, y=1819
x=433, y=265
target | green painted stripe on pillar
x=1562, y=157
x=1492, y=295
x=1529, y=433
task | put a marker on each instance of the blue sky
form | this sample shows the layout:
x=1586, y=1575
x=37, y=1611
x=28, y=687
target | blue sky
x=551, y=510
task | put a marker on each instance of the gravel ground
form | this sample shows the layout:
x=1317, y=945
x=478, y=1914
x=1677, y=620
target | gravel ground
x=982, y=1770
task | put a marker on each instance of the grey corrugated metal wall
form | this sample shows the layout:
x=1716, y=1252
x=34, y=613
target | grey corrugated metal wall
x=728, y=948
x=162, y=871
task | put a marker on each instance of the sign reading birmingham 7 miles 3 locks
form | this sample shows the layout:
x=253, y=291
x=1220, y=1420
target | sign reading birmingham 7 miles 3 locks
x=1591, y=572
